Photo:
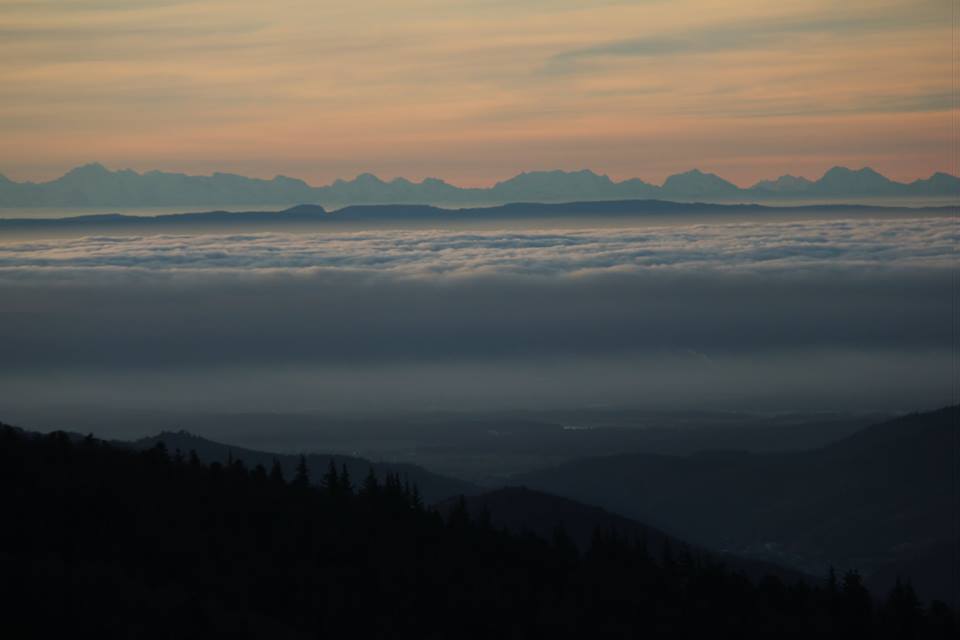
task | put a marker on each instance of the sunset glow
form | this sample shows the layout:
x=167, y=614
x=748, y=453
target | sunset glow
x=475, y=91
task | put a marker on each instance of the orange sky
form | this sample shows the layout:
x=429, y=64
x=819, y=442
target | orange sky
x=474, y=91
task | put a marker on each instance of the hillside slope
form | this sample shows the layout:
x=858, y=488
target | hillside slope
x=868, y=501
x=433, y=487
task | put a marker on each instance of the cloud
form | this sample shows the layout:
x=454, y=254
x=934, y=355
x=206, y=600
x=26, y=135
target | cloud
x=441, y=296
x=749, y=35
x=806, y=312
x=773, y=248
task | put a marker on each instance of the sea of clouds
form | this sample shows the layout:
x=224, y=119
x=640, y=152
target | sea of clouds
x=790, y=313
x=742, y=247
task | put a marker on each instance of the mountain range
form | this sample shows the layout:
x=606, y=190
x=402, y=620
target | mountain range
x=93, y=185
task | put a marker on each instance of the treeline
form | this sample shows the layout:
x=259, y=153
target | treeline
x=105, y=542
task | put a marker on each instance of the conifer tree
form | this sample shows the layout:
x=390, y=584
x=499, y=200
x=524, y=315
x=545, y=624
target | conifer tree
x=459, y=517
x=370, y=487
x=301, y=477
x=415, y=501
x=276, y=473
x=564, y=543
x=484, y=520
x=331, y=481
x=346, y=487
x=856, y=607
x=832, y=586
x=901, y=613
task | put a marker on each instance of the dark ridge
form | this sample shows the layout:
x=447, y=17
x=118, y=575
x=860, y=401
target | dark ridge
x=433, y=487
x=880, y=500
x=299, y=213
x=310, y=214
x=522, y=510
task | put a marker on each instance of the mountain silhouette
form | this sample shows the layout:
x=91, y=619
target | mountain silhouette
x=553, y=185
x=844, y=181
x=697, y=184
x=784, y=185
x=94, y=185
x=879, y=499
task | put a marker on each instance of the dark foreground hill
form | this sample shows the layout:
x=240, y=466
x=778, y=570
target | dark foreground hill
x=883, y=500
x=433, y=487
x=102, y=541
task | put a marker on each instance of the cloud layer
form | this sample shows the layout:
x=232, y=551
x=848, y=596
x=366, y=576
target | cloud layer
x=810, y=310
x=748, y=247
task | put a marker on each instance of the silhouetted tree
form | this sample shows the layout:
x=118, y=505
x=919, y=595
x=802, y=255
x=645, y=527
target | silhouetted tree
x=459, y=517
x=855, y=605
x=564, y=543
x=301, y=477
x=484, y=519
x=901, y=613
x=276, y=473
x=345, y=486
x=370, y=487
x=331, y=479
x=833, y=587
x=415, y=501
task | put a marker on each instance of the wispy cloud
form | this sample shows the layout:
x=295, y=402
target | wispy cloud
x=747, y=35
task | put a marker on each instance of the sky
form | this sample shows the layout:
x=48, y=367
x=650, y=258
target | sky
x=474, y=91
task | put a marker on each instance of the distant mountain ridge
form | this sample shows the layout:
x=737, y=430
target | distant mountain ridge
x=310, y=216
x=95, y=185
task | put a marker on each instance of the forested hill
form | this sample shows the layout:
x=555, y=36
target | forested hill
x=522, y=510
x=433, y=487
x=101, y=541
x=882, y=500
